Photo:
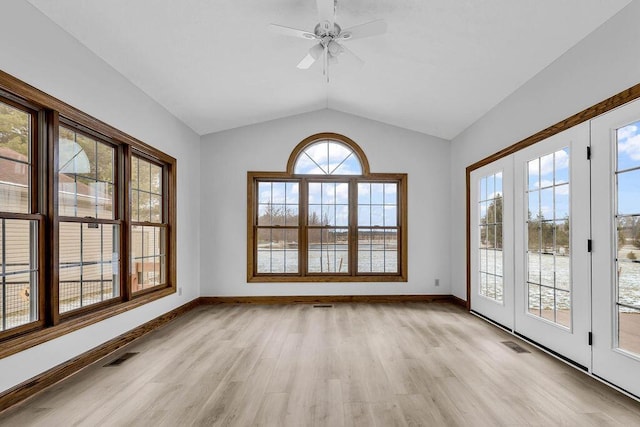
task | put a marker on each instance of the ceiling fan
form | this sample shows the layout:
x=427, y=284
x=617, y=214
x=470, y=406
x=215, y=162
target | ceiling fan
x=329, y=36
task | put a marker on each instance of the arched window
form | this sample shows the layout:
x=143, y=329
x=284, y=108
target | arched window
x=327, y=218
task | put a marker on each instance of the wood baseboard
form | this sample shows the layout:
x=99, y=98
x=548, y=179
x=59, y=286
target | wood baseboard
x=40, y=382
x=325, y=299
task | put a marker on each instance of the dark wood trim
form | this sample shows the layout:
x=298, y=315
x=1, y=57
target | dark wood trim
x=303, y=276
x=43, y=100
x=468, y=234
x=323, y=136
x=24, y=342
x=323, y=299
x=598, y=109
x=458, y=301
x=40, y=382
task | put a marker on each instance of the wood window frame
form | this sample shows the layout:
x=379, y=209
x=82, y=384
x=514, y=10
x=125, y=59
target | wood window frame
x=253, y=180
x=48, y=113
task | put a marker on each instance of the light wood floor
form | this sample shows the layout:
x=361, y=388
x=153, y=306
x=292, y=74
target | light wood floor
x=352, y=364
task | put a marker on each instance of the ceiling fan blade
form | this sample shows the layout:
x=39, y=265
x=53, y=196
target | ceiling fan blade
x=306, y=62
x=326, y=11
x=312, y=56
x=292, y=32
x=355, y=58
x=373, y=28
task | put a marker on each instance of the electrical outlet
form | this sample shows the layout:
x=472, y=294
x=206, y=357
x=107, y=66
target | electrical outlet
x=437, y=282
x=179, y=291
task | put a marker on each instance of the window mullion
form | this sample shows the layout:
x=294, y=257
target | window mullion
x=123, y=193
x=303, y=217
x=353, y=226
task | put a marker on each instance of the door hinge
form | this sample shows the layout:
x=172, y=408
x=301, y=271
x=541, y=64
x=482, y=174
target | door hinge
x=588, y=152
x=589, y=245
x=590, y=338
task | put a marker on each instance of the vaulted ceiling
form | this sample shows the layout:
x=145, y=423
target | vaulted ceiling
x=441, y=65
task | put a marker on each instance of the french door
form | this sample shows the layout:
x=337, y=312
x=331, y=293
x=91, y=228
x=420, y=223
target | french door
x=552, y=229
x=492, y=243
x=615, y=211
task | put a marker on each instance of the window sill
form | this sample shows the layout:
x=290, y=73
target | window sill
x=23, y=342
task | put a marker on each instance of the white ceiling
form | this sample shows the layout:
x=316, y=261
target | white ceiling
x=441, y=65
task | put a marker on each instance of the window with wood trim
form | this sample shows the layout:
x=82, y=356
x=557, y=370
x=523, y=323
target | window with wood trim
x=81, y=204
x=327, y=218
x=148, y=225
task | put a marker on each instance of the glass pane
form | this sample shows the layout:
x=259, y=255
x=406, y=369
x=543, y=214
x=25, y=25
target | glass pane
x=15, y=168
x=533, y=176
x=629, y=146
x=156, y=179
x=548, y=238
x=546, y=170
x=534, y=205
x=534, y=236
x=328, y=250
x=548, y=303
x=562, y=202
x=18, y=272
x=278, y=192
x=628, y=330
x=135, y=206
x=14, y=182
x=377, y=250
x=533, y=267
x=390, y=216
x=88, y=264
x=546, y=203
x=315, y=215
x=483, y=189
x=147, y=198
x=144, y=175
x=629, y=192
x=135, y=180
x=391, y=194
x=499, y=288
x=498, y=183
x=148, y=251
x=315, y=193
x=292, y=193
x=534, y=299
x=563, y=308
x=377, y=215
x=328, y=157
x=364, y=193
x=562, y=166
x=155, y=205
x=85, y=176
x=144, y=206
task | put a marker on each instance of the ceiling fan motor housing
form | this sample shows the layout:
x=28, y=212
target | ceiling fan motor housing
x=325, y=28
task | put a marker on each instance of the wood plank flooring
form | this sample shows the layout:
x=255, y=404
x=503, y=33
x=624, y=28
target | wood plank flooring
x=412, y=364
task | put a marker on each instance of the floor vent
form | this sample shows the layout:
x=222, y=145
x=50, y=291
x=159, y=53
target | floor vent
x=120, y=360
x=515, y=347
x=322, y=305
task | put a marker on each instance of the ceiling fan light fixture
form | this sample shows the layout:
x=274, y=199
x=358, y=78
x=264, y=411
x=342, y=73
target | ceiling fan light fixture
x=316, y=51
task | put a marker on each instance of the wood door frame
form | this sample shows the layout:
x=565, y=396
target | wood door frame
x=587, y=114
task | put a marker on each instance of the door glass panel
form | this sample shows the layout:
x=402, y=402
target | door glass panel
x=490, y=242
x=628, y=237
x=548, y=243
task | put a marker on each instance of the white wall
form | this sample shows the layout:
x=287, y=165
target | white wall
x=601, y=65
x=37, y=51
x=227, y=156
